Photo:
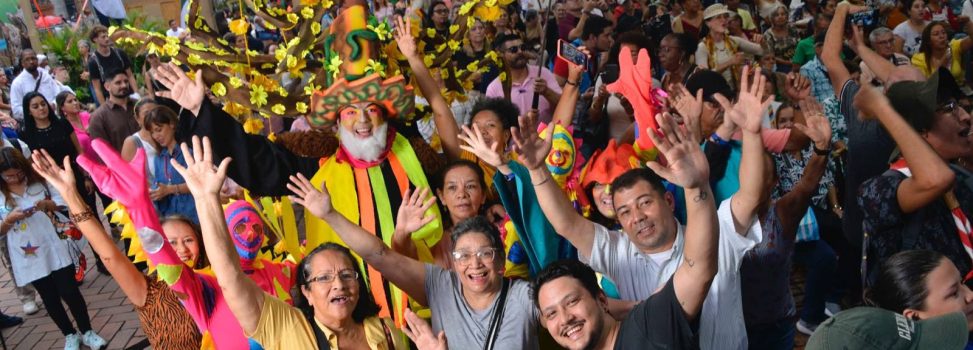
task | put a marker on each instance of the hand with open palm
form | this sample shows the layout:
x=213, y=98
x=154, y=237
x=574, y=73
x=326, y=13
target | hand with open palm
x=188, y=93
x=749, y=110
x=531, y=149
x=403, y=37
x=412, y=213
x=317, y=202
x=817, y=127
x=687, y=165
x=476, y=145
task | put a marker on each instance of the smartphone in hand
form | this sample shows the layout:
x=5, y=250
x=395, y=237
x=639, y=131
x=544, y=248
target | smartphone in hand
x=571, y=54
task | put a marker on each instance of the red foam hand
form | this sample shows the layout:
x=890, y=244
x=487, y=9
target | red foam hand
x=635, y=83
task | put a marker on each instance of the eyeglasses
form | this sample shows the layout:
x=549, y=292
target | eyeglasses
x=463, y=257
x=516, y=49
x=948, y=107
x=440, y=11
x=344, y=276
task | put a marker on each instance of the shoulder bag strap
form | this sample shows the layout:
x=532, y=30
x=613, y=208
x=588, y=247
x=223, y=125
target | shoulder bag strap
x=497, y=316
x=388, y=334
x=319, y=335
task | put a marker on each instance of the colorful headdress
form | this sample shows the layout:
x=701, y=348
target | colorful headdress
x=606, y=165
x=250, y=236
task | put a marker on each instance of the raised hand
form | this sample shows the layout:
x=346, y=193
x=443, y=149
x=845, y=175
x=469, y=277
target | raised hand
x=403, y=37
x=412, y=212
x=201, y=176
x=531, y=148
x=797, y=87
x=61, y=178
x=685, y=103
x=318, y=202
x=419, y=331
x=121, y=180
x=818, y=128
x=748, y=111
x=188, y=93
x=688, y=167
x=476, y=145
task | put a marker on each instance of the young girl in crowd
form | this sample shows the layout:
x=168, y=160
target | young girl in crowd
x=142, y=139
x=908, y=34
x=169, y=192
x=37, y=255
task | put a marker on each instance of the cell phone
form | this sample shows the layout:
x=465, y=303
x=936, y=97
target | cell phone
x=29, y=210
x=610, y=73
x=865, y=19
x=571, y=54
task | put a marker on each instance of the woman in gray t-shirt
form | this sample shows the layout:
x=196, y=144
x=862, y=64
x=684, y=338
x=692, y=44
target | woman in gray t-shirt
x=464, y=301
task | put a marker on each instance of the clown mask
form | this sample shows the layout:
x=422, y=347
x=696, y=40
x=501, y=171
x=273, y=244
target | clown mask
x=246, y=228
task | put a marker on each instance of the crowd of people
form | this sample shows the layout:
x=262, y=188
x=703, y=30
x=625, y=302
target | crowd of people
x=659, y=193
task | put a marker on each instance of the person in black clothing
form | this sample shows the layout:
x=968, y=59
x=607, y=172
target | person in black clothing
x=106, y=59
x=575, y=310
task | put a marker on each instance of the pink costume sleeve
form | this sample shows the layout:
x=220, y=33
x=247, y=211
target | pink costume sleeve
x=200, y=294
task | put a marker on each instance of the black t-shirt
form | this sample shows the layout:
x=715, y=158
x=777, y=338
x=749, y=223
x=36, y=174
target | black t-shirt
x=658, y=323
x=55, y=139
x=99, y=65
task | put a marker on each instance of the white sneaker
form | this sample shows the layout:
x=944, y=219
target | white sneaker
x=92, y=340
x=30, y=308
x=831, y=309
x=806, y=327
x=72, y=342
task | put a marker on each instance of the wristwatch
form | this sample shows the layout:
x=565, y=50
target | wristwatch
x=822, y=152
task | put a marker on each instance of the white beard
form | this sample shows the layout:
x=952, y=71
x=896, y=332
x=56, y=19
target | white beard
x=368, y=149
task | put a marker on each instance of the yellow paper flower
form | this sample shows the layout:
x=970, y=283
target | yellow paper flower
x=453, y=28
x=292, y=18
x=307, y=13
x=278, y=109
x=492, y=55
x=239, y=26
x=431, y=32
x=269, y=26
x=470, y=22
x=453, y=45
x=218, y=89
x=301, y=107
x=327, y=3
x=428, y=60
x=466, y=7
x=381, y=30
x=503, y=76
x=253, y=126
x=334, y=66
x=310, y=2
x=472, y=66
x=111, y=30
x=280, y=54
x=236, y=82
x=441, y=47
x=375, y=67
x=171, y=49
x=272, y=137
x=235, y=109
x=310, y=88
x=258, y=96
x=194, y=59
x=316, y=28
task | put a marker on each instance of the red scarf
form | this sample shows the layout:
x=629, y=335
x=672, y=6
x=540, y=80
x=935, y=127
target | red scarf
x=344, y=156
x=963, y=227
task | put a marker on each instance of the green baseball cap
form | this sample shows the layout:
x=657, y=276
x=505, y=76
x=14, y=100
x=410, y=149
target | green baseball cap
x=880, y=329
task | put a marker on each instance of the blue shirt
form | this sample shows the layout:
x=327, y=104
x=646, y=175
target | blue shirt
x=165, y=174
x=821, y=87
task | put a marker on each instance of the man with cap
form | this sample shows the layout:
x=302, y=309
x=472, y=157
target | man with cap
x=874, y=328
x=919, y=203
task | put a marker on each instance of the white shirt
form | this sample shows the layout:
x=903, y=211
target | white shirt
x=175, y=33
x=637, y=276
x=35, y=249
x=911, y=38
x=25, y=82
x=110, y=8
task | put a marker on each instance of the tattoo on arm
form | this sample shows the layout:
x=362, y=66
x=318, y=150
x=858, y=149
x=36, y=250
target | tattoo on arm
x=690, y=262
x=381, y=252
x=702, y=196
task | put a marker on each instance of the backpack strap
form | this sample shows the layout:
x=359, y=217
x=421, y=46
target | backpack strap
x=497, y=316
x=319, y=335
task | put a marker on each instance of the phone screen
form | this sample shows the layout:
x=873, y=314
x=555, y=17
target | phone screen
x=571, y=54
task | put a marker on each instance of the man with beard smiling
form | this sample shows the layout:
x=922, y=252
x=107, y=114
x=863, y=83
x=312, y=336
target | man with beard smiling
x=114, y=120
x=653, y=246
x=374, y=165
x=32, y=79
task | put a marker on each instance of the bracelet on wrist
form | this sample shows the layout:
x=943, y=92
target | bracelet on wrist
x=719, y=141
x=83, y=216
x=822, y=152
x=572, y=83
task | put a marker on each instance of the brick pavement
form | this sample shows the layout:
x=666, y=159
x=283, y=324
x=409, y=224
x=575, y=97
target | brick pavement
x=112, y=316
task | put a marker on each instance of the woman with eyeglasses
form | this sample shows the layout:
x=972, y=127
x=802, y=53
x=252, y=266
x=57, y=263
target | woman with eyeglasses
x=475, y=306
x=437, y=18
x=333, y=307
x=37, y=255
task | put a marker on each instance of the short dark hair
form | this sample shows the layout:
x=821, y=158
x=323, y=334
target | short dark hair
x=566, y=268
x=686, y=43
x=503, y=39
x=159, y=115
x=366, y=306
x=901, y=280
x=507, y=111
x=479, y=224
x=595, y=25
x=111, y=74
x=96, y=31
x=632, y=177
x=462, y=163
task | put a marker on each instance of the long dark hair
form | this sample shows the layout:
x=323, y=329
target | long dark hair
x=926, y=46
x=901, y=281
x=12, y=158
x=201, y=261
x=59, y=102
x=366, y=306
x=440, y=184
x=30, y=125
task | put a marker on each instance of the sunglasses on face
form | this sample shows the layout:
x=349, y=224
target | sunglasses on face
x=516, y=49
